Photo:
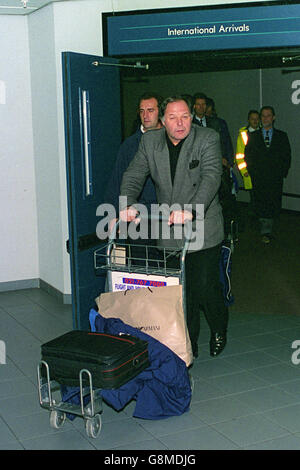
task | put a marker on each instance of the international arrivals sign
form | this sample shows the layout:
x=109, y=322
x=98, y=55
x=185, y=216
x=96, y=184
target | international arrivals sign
x=208, y=30
x=202, y=29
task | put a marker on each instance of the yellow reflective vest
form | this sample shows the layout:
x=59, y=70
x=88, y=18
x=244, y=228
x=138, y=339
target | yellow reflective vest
x=240, y=156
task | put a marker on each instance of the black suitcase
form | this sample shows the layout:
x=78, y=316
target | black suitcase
x=112, y=360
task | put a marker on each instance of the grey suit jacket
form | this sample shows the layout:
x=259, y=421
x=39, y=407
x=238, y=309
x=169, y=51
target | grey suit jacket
x=196, y=182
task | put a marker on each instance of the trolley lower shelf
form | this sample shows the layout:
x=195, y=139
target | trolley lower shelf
x=50, y=399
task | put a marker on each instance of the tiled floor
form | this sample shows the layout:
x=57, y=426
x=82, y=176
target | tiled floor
x=247, y=398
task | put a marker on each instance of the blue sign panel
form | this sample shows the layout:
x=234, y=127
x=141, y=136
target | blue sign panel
x=200, y=30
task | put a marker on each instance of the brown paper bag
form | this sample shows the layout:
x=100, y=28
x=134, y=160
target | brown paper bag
x=157, y=311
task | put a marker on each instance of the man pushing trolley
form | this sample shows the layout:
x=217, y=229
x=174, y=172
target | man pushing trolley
x=185, y=163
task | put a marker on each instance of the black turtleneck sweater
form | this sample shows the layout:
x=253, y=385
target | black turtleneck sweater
x=174, y=151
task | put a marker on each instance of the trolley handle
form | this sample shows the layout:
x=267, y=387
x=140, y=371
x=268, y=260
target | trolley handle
x=156, y=218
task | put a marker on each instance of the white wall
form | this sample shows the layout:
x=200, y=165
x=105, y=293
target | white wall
x=63, y=26
x=66, y=26
x=45, y=130
x=19, y=241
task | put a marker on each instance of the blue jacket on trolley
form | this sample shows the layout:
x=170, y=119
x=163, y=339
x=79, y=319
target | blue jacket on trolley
x=160, y=391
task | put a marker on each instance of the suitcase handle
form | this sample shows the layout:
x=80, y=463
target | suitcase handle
x=136, y=362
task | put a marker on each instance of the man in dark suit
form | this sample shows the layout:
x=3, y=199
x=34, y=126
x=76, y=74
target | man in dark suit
x=185, y=164
x=205, y=115
x=200, y=117
x=148, y=111
x=209, y=119
x=226, y=142
x=268, y=158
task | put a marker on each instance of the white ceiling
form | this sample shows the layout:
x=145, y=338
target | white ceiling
x=15, y=7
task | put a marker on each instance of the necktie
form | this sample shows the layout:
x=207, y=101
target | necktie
x=201, y=123
x=267, y=139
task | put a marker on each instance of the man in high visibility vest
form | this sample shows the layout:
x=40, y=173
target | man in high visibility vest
x=253, y=125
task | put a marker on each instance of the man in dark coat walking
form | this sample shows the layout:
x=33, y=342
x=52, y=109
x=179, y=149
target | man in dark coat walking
x=268, y=158
x=148, y=111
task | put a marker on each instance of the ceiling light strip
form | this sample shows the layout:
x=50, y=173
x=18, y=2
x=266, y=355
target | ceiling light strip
x=17, y=8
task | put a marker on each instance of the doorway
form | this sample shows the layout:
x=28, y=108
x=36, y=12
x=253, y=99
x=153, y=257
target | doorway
x=262, y=281
x=235, y=92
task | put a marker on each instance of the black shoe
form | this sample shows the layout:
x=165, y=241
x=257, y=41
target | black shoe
x=217, y=343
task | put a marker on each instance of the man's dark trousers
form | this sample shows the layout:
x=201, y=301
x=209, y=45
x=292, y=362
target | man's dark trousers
x=204, y=293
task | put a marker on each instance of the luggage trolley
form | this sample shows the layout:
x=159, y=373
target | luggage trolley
x=121, y=262
x=154, y=267
x=133, y=266
x=50, y=399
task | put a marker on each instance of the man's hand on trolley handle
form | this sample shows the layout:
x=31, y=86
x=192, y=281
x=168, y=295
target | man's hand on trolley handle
x=176, y=217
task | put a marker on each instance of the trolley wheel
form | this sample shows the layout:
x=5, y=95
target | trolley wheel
x=93, y=426
x=57, y=419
